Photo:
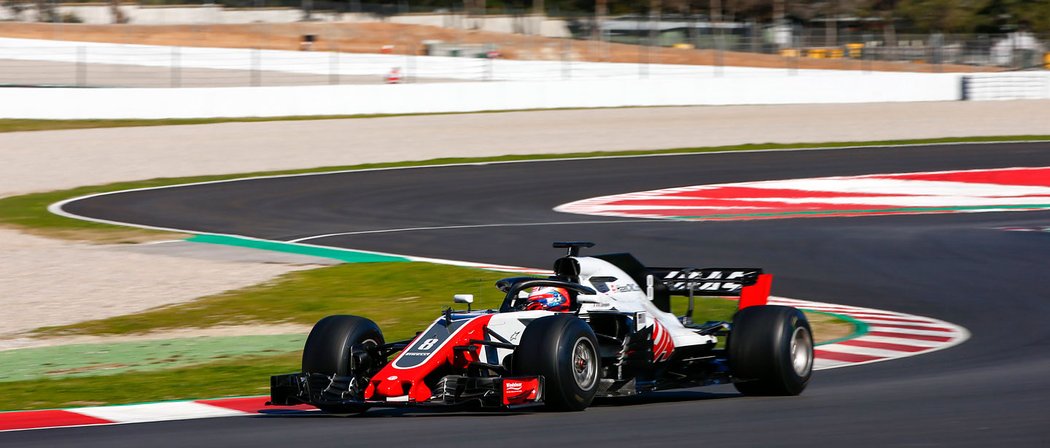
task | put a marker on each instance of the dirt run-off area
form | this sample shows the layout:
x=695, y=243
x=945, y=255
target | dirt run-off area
x=408, y=39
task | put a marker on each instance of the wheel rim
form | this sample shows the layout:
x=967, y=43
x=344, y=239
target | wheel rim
x=584, y=365
x=363, y=345
x=801, y=351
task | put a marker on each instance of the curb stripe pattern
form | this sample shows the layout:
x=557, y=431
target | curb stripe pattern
x=972, y=191
x=884, y=337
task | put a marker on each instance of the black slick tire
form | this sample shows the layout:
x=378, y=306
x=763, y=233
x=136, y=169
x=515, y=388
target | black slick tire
x=564, y=350
x=770, y=351
x=327, y=349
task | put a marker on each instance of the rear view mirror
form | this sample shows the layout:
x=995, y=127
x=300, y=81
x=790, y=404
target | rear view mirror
x=464, y=298
x=586, y=298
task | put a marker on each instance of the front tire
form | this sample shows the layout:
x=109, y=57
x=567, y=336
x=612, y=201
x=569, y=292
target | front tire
x=771, y=351
x=564, y=350
x=329, y=347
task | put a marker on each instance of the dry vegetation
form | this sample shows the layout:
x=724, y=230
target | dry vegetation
x=408, y=39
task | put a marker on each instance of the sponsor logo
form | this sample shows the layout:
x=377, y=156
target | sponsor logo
x=391, y=378
x=630, y=287
x=416, y=354
x=513, y=386
x=708, y=275
x=710, y=280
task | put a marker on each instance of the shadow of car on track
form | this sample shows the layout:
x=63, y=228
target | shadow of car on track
x=637, y=400
x=673, y=396
x=392, y=412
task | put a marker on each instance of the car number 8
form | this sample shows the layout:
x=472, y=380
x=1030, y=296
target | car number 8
x=428, y=344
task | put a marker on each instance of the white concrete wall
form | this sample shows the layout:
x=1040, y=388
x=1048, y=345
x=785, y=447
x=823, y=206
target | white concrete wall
x=515, y=84
x=62, y=103
x=458, y=68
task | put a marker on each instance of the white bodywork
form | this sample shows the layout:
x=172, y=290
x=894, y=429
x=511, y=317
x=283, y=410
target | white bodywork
x=624, y=294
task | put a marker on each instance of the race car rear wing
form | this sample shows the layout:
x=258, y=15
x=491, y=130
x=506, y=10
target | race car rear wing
x=750, y=284
x=707, y=281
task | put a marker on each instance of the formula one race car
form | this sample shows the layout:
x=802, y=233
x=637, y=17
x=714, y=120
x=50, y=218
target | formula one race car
x=600, y=327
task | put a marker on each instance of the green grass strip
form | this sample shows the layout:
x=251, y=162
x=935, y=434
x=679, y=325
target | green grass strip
x=114, y=358
x=401, y=297
x=242, y=376
x=859, y=328
x=26, y=125
x=344, y=255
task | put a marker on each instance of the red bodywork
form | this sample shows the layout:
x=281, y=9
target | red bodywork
x=756, y=294
x=394, y=381
x=520, y=390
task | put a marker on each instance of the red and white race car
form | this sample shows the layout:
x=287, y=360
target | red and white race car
x=600, y=327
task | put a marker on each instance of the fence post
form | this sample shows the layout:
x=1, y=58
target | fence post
x=410, y=61
x=488, y=66
x=333, y=67
x=255, y=75
x=718, y=52
x=566, y=60
x=792, y=60
x=81, y=66
x=175, y=81
x=866, y=57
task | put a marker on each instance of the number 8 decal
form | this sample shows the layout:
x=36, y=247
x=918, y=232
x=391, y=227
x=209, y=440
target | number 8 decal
x=427, y=344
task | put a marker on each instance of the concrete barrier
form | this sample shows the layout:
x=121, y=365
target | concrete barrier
x=73, y=103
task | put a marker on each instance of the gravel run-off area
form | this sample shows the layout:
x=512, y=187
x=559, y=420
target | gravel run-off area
x=52, y=282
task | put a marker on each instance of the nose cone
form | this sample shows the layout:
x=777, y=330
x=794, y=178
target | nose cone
x=391, y=387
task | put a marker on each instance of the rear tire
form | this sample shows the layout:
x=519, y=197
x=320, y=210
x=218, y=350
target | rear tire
x=770, y=351
x=564, y=350
x=327, y=349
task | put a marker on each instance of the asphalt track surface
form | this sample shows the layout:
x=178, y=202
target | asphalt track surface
x=992, y=390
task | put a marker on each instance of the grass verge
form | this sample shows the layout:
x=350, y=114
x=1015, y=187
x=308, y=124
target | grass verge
x=26, y=125
x=232, y=377
x=401, y=297
x=29, y=212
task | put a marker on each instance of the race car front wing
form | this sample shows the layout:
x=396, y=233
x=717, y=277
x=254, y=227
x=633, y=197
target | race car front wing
x=452, y=390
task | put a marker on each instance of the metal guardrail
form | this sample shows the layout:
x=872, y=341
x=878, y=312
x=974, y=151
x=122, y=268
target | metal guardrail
x=1006, y=86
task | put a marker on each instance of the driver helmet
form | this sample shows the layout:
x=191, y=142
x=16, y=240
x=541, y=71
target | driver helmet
x=548, y=298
